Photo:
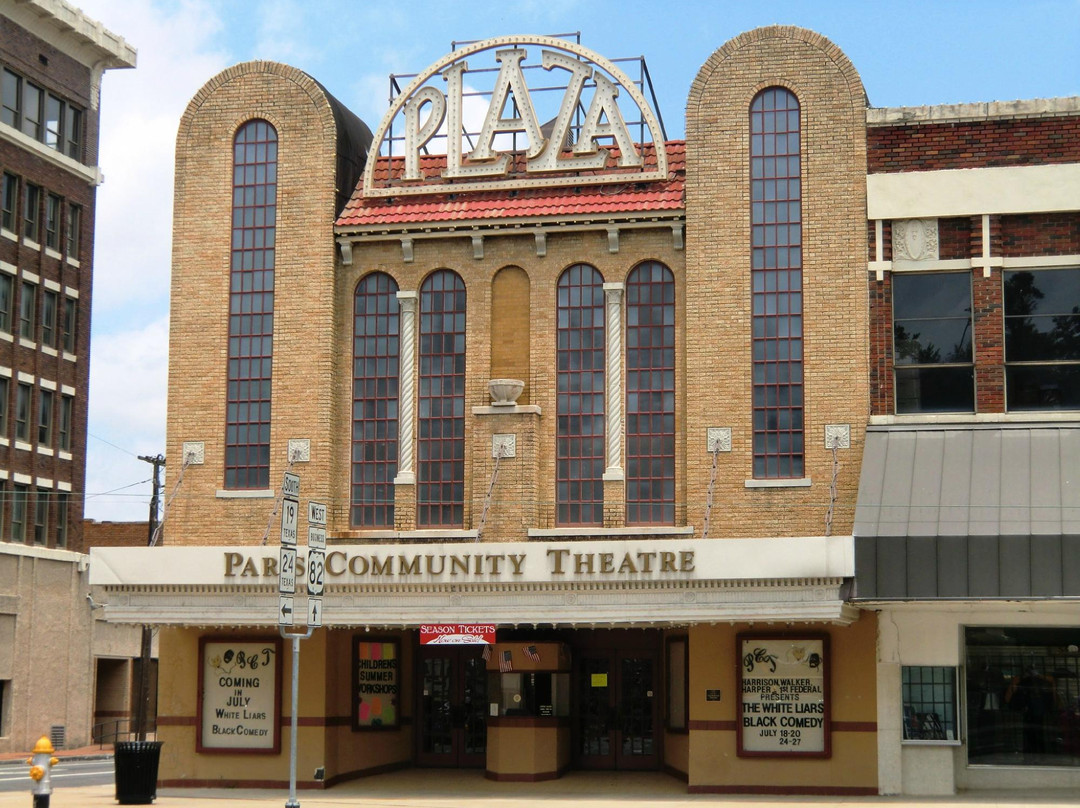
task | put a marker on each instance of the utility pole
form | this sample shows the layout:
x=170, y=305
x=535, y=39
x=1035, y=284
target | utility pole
x=142, y=705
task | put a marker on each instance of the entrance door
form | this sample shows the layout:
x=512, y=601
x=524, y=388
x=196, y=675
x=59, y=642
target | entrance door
x=617, y=711
x=452, y=707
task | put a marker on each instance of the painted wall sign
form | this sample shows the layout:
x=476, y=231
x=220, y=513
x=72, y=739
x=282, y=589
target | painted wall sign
x=376, y=679
x=490, y=108
x=457, y=634
x=783, y=695
x=240, y=695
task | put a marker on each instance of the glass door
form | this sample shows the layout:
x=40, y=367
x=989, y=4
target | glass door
x=617, y=711
x=452, y=707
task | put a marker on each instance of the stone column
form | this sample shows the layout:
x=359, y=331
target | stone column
x=406, y=474
x=613, y=299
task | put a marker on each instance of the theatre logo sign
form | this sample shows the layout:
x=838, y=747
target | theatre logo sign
x=512, y=112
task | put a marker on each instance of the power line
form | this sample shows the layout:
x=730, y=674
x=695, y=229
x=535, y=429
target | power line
x=110, y=443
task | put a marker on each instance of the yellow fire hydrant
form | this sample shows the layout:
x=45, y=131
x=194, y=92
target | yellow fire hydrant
x=40, y=771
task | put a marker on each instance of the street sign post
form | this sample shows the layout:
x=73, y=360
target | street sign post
x=285, y=610
x=316, y=513
x=316, y=572
x=316, y=538
x=314, y=611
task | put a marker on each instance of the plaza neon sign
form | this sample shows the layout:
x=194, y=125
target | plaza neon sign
x=590, y=116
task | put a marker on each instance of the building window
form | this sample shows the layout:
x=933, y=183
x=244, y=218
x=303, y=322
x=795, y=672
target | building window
x=42, y=116
x=1023, y=687
x=22, y=412
x=1042, y=339
x=54, y=122
x=61, y=518
x=31, y=214
x=9, y=194
x=440, y=444
x=5, y=391
x=71, y=323
x=932, y=342
x=929, y=701
x=580, y=361
x=33, y=102
x=650, y=395
x=52, y=221
x=49, y=301
x=73, y=237
x=45, y=417
x=73, y=133
x=18, y=513
x=11, y=99
x=27, y=309
x=376, y=356
x=64, y=426
x=251, y=306
x=41, y=517
x=776, y=278
x=7, y=291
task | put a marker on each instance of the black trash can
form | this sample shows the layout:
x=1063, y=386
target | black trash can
x=136, y=765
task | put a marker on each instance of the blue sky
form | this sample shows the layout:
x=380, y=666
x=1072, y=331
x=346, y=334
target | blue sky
x=908, y=54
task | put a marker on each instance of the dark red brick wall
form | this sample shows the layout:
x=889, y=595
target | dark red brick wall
x=114, y=534
x=954, y=238
x=1040, y=234
x=71, y=80
x=973, y=144
x=881, y=363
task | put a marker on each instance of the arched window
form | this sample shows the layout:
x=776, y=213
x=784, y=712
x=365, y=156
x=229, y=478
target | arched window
x=650, y=395
x=776, y=278
x=376, y=358
x=580, y=412
x=440, y=444
x=251, y=306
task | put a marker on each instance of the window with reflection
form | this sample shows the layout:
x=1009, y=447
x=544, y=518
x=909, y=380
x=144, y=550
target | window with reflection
x=376, y=357
x=932, y=342
x=650, y=395
x=580, y=360
x=776, y=278
x=1023, y=695
x=440, y=445
x=1042, y=339
x=251, y=306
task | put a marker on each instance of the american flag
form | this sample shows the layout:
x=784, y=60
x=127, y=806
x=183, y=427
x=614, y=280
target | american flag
x=486, y=653
x=506, y=664
x=531, y=652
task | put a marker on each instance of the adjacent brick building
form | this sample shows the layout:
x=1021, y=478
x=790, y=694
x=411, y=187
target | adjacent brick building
x=52, y=59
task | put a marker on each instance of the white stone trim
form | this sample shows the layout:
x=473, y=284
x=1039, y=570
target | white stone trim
x=516, y=409
x=1036, y=261
x=28, y=378
x=32, y=277
x=48, y=384
x=408, y=303
x=22, y=479
x=70, y=292
x=67, y=389
x=613, y=370
x=64, y=486
x=91, y=175
x=249, y=493
x=8, y=235
x=10, y=269
x=601, y=532
x=781, y=482
x=986, y=110
x=51, y=285
x=49, y=251
x=973, y=191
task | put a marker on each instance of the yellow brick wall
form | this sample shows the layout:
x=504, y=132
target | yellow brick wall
x=303, y=294
x=718, y=391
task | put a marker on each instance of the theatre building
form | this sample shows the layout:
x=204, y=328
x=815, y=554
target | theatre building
x=583, y=410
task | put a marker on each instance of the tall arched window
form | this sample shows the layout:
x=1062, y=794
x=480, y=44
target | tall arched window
x=251, y=306
x=580, y=412
x=650, y=395
x=376, y=359
x=776, y=277
x=440, y=444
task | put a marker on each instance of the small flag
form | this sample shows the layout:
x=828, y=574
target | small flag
x=531, y=652
x=506, y=664
x=486, y=653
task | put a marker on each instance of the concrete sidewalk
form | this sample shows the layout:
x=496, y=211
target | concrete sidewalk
x=427, y=788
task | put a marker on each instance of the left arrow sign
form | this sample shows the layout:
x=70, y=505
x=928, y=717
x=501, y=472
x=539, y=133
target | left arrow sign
x=285, y=611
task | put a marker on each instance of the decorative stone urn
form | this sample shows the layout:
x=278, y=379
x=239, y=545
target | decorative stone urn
x=505, y=392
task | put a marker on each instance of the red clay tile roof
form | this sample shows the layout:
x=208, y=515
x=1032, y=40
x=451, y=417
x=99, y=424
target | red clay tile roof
x=560, y=201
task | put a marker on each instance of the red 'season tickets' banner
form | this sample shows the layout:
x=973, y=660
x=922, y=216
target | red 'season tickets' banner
x=457, y=634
